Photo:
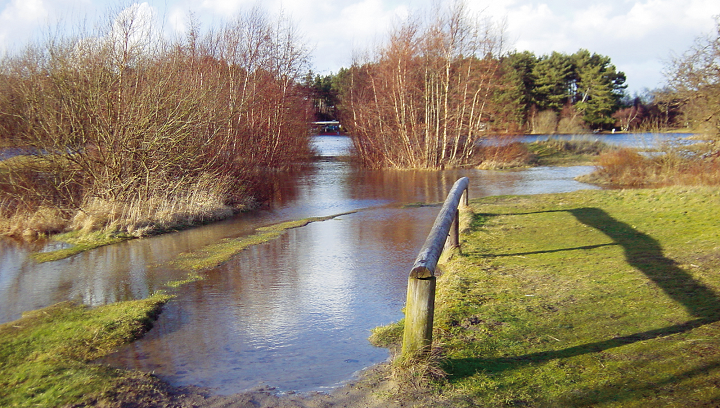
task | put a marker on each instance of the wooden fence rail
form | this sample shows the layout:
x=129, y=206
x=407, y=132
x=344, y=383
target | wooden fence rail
x=420, y=305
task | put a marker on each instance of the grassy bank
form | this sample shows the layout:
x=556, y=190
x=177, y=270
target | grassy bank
x=79, y=242
x=556, y=152
x=592, y=298
x=45, y=356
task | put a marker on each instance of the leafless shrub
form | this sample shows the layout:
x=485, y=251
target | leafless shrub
x=694, y=79
x=671, y=166
x=139, y=133
x=546, y=122
x=426, y=97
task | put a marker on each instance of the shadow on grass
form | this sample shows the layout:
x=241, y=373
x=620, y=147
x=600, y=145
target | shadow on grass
x=645, y=254
x=641, y=252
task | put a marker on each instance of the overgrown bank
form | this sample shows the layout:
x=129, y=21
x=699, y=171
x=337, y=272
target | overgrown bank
x=137, y=133
x=619, y=309
x=45, y=356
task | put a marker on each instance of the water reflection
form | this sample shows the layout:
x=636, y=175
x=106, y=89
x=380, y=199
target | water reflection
x=632, y=140
x=294, y=313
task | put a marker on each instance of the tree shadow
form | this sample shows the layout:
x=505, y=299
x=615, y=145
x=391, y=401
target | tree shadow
x=641, y=252
x=645, y=254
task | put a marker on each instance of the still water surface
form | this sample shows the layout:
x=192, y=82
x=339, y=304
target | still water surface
x=293, y=313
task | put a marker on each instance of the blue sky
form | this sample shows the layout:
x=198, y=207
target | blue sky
x=639, y=36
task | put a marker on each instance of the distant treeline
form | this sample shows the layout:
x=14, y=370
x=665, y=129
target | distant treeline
x=437, y=85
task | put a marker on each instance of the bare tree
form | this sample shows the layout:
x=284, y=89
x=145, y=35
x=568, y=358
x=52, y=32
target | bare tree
x=426, y=96
x=695, y=79
x=136, y=132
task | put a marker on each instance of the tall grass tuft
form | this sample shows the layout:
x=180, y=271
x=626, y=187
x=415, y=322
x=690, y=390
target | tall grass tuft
x=502, y=155
x=165, y=209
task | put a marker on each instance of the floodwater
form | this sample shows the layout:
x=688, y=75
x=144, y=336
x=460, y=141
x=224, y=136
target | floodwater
x=293, y=313
x=642, y=141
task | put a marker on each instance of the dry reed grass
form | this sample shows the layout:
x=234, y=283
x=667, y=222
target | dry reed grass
x=32, y=225
x=35, y=204
x=164, y=209
x=413, y=376
x=503, y=156
x=670, y=167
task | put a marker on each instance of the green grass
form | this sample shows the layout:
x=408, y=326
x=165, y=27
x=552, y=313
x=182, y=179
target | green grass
x=45, y=356
x=80, y=242
x=591, y=298
x=216, y=254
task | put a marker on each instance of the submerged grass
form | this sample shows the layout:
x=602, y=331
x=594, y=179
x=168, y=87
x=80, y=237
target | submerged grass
x=45, y=356
x=215, y=254
x=80, y=241
x=591, y=298
x=556, y=152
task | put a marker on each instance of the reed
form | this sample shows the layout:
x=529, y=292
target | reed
x=669, y=167
x=503, y=155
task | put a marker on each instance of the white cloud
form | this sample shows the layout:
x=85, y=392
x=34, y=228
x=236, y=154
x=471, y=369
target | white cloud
x=636, y=35
x=19, y=19
x=223, y=7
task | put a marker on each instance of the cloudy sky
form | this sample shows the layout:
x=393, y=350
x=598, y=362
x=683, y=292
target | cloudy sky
x=639, y=36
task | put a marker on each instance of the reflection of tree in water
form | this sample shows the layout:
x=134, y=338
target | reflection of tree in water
x=274, y=188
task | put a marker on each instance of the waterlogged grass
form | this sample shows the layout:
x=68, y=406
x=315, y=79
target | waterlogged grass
x=555, y=152
x=216, y=254
x=592, y=298
x=45, y=356
x=80, y=242
x=208, y=257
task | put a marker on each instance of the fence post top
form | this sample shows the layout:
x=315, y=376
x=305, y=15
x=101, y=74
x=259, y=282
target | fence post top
x=429, y=255
x=421, y=272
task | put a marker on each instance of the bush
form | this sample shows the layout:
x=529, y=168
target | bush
x=628, y=168
x=139, y=133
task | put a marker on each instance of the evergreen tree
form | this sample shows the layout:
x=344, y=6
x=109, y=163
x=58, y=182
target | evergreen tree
x=518, y=68
x=553, y=76
x=597, y=88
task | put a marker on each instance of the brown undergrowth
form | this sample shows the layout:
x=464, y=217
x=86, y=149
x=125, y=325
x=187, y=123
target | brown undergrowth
x=671, y=167
x=506, y=154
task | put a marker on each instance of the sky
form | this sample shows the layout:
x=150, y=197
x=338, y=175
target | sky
x=640, y=37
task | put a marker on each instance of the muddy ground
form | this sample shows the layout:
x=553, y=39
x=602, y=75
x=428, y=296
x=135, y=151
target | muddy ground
x=373, y=389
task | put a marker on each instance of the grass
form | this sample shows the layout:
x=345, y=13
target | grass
x=45, y=356
x=556, y=152
x=592, y=298
x=215, y=254
x=550, y=152
x=80, y=242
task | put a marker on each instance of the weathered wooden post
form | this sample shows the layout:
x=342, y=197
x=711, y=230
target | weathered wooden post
x=420, y=304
